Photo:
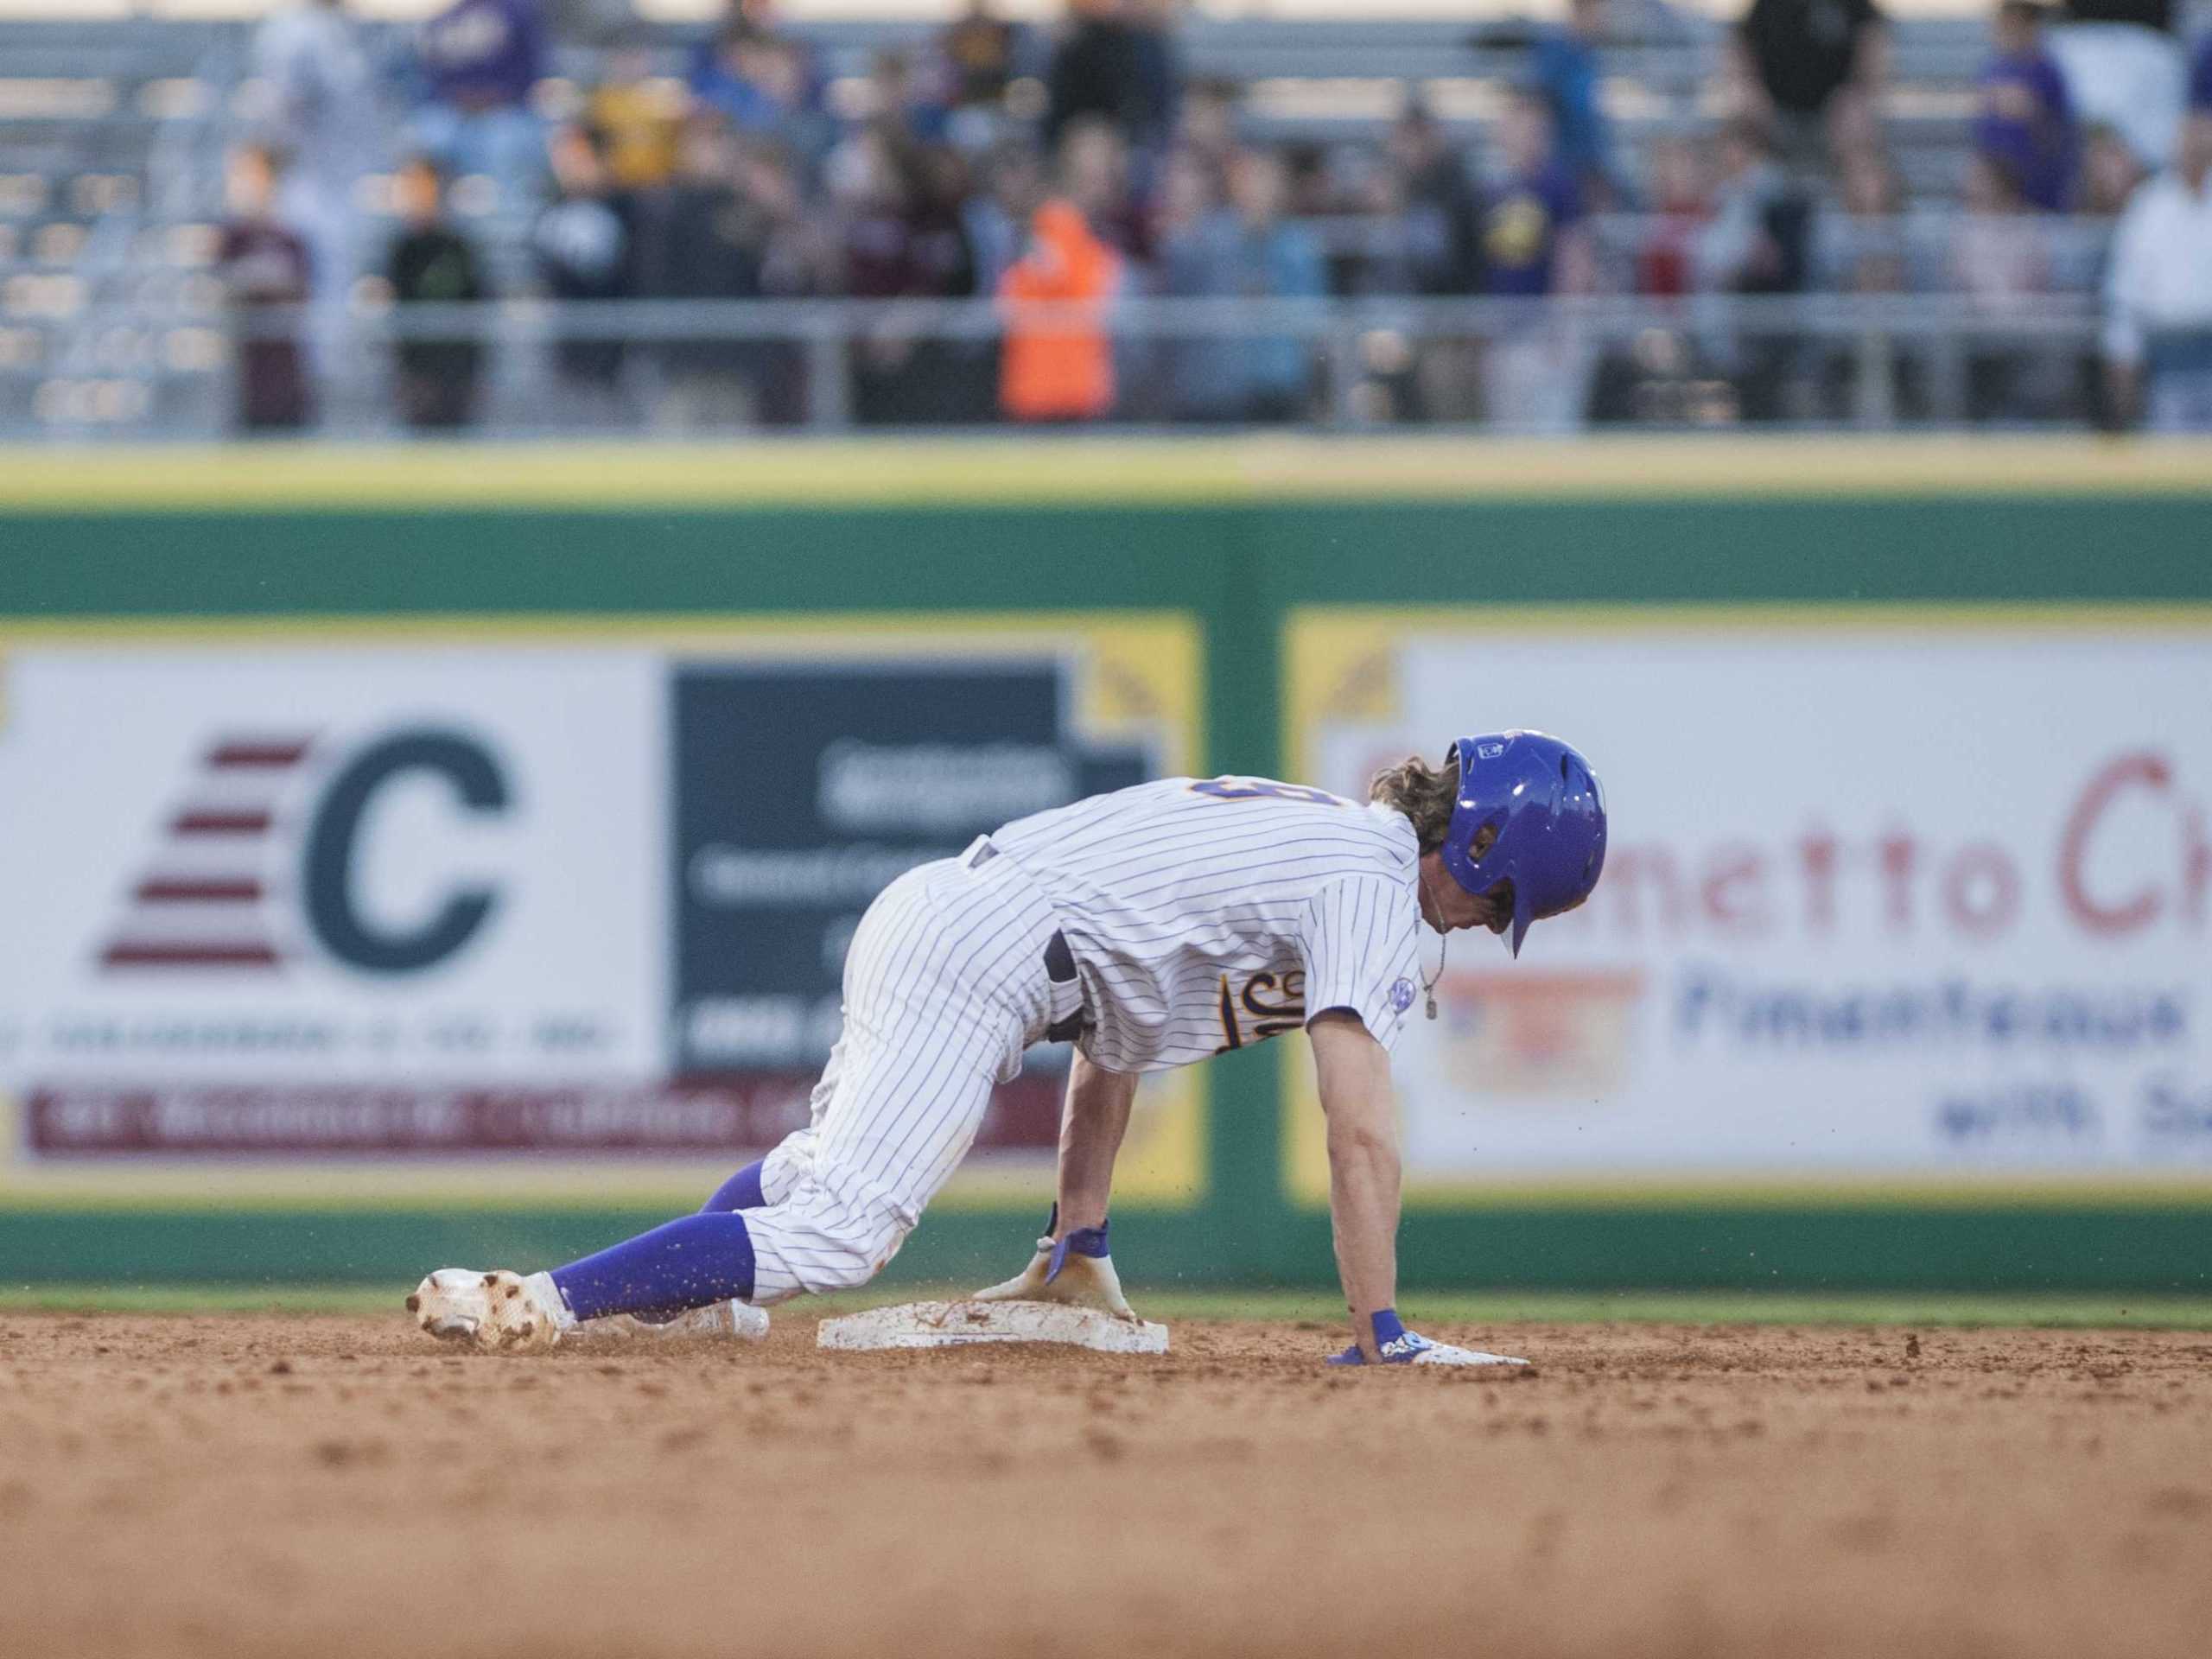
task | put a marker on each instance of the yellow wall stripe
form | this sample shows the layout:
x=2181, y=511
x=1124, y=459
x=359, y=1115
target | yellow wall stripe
x=951, y=472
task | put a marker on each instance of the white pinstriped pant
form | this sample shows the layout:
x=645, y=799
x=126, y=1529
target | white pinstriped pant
x=945, y=987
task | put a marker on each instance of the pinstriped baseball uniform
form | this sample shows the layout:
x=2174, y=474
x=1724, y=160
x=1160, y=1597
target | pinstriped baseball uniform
x=1206, y=915
x=1201, y=914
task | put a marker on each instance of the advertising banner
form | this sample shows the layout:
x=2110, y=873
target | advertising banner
x=1897, y=900
x=548, y=910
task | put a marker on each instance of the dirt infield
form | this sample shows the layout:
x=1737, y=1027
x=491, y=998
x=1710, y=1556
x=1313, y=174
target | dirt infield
x=336, y=1487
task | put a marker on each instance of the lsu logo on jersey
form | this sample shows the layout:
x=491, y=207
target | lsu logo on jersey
x=1266, y=1006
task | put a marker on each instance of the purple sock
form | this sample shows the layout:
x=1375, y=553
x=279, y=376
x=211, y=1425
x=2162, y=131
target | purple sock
x=690, y=1262
x=742, y=1192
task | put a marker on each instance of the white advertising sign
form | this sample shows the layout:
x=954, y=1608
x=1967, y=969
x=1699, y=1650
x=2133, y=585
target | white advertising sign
x=341, y=863
x=1890, y=897
x=393, y=911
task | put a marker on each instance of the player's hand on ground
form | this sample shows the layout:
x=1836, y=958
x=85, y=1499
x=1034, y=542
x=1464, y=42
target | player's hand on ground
x=1067, y=1271
x=1395, y=1345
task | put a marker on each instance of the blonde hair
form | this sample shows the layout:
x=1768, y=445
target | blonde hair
x=1424, y=793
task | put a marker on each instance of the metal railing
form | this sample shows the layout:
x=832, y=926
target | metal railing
x=1899, y=360
x=535, y=367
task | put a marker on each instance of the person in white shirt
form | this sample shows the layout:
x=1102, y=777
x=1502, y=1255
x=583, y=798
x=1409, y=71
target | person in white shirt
x=324, y=112
x=2158, y=293
x=1152, y=927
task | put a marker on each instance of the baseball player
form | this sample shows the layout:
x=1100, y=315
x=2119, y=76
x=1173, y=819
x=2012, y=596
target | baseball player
x=1152, y=927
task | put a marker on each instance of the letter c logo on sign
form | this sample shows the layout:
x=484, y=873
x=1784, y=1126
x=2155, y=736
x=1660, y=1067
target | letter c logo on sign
x=469, y=767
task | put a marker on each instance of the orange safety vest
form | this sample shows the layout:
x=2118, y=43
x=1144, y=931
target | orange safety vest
x=1052, y=369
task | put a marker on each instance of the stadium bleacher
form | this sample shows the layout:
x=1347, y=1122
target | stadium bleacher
x=112, y=135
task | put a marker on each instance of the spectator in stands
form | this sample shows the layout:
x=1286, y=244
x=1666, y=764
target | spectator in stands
x=981, y=53
x=1248, y=250
x=638, y=116
x=326, y=120
x=1535, y=241
x=2124, y=69
x=1680, y=203
x=1444, y=223
x=1442, y=228
x=903, y=239
x=1109, y=66
x=997, y=216
x=1536, y=244
x=2026, y=121
x=1568, y=68
x=432, y=264
x=762, y=86
x=1160, y=67
x=1813, y=71
x=1658, y=377
x=2001, y=260
x=1206, y=121
x=1861, y=248
x=586, y=247
x=2159, y=294
x=1058, y=366
x=482, y=60
x=731, y=225
x=264, y=264
x=759, y=19
x=797, y=258
x=2111, y=172
x=960, y=375
x=726, y=76
x=1564, y=66
x=1190, y=191
x=1093, y=169
x=1999, y=254
x=896, y=95
x=1758, y=242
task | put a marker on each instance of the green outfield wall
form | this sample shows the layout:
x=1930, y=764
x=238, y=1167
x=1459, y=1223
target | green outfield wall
x=1240, y=538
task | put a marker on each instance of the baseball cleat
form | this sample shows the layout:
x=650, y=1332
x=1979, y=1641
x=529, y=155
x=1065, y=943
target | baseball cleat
x=1395, y=1345
x=498, y=1312
x=728, y=1321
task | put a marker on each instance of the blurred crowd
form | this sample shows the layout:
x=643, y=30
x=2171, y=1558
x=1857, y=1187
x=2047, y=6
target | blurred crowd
x=1063, y=171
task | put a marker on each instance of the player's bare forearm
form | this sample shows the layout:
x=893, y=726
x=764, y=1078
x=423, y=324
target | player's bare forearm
x=1354, y=1073
x=1079, y=1271
x=1092, y=1123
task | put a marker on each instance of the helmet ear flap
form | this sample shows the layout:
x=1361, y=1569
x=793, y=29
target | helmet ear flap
x=1523, y=916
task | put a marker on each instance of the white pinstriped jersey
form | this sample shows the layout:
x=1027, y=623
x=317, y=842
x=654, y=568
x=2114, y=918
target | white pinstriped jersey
x=1203, y=915
x=1207, y=913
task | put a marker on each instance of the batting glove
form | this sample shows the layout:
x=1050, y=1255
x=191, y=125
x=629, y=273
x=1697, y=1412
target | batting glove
x=1076, y=1269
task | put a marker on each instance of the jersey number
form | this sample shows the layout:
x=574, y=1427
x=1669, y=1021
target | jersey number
x=1260, y=789
x=1286, y=1012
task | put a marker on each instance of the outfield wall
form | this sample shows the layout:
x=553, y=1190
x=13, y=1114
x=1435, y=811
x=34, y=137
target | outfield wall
x=414, y=856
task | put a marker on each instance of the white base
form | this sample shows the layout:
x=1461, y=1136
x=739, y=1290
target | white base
x=956, y=1325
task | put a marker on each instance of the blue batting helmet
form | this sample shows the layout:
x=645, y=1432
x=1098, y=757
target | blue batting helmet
x=1542, y=801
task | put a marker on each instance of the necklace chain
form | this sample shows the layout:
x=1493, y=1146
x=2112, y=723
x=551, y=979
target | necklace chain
x=1443, y=952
